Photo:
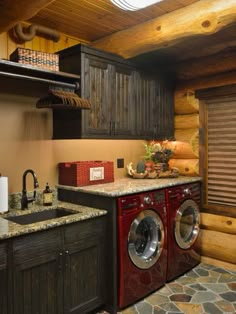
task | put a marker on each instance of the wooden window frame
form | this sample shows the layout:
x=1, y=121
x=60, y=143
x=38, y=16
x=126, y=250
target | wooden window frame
x=216, y=93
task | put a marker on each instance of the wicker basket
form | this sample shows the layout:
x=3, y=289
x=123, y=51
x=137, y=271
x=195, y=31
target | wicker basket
x=49, y=61
x=81, y=173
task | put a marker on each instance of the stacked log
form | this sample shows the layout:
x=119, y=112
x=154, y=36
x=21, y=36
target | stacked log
x=185, y=102
x=216, y=242
x=186, y=167
x=186, y=147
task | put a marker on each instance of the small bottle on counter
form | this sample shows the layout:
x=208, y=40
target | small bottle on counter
x=47, y=196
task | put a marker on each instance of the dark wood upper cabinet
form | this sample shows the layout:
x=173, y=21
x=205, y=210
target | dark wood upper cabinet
x=123, y=117
x=154, y=107
x=95, y=86
x=146, y=100
x=109, y=87
x=125, y=102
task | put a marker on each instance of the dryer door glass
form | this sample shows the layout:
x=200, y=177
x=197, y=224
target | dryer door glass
x=146, y=239
x=186, y=228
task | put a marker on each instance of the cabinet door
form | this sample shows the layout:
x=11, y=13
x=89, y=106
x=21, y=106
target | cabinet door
x=84, y=266
x=4, y=279
x=146, y=106
x=123, y=117
x=154, y=114
x=96, y=82
x=37, y=274
x=165, y=110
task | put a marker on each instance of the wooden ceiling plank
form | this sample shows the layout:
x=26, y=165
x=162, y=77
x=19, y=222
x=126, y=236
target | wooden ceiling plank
x=101, y=18
x=13, y=13
x=94, y=12
x=85, y=30
x=186, y=2
x=97, y=26
x=99, y=9
x=144, y=14
x=83, y=33
x=83, y=20
x=199, y=19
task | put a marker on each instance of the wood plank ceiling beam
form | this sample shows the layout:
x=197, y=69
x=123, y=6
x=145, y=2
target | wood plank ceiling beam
x=13, y=12
x=198, y=19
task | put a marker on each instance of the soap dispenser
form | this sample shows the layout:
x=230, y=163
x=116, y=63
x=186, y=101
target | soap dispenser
x=47, y=196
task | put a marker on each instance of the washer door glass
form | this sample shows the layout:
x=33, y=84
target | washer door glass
x=146, y=239
x=186, y=228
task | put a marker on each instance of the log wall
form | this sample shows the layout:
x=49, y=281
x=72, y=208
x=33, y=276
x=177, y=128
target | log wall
x=186, y=147
x=216, y=242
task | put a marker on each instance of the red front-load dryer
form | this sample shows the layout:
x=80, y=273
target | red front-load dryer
x=183, y=219
x=142, y=245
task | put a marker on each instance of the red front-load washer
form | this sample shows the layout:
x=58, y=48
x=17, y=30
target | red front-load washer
x=142, y=245
x=183, y=219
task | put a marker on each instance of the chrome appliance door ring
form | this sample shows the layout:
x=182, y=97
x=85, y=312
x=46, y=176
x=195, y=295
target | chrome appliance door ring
x=186, y=227
x=146, y=239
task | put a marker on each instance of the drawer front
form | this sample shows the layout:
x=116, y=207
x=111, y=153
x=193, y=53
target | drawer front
x=84, y=229
x=37, y=247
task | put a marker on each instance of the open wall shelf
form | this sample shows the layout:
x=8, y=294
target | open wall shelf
x=28, y=72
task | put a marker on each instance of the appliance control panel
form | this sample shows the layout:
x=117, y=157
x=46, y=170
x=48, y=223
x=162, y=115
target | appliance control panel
x=142, y=200
x=182, y=192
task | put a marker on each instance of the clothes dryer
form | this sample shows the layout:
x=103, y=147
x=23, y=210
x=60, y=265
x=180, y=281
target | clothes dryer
x=142, y=245
x=183, y=219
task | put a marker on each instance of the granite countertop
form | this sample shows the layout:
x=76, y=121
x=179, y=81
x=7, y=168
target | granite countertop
x=127, y=186
x=117, y=188
x=10, y=229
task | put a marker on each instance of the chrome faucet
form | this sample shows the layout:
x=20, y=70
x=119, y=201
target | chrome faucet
x=26, y=200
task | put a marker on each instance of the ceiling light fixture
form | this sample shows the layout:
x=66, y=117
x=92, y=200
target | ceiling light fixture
x=133, y=5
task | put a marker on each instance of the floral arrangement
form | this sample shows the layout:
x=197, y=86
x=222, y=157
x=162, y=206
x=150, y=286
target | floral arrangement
x=158, y=152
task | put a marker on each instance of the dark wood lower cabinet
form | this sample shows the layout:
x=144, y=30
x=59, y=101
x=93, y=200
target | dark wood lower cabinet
x=4, y=279
x=37, y=273
x=84, y=266
x=60, y=271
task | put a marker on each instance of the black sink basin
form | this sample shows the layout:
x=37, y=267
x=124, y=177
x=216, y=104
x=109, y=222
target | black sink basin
x=42, y=215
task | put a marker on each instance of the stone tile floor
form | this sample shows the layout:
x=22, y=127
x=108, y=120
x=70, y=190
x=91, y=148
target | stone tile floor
x=204, y=289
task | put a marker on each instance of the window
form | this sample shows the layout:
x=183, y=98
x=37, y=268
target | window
x=218, y=152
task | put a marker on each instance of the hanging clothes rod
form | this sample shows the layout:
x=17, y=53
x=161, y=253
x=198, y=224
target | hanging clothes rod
x=38, y=79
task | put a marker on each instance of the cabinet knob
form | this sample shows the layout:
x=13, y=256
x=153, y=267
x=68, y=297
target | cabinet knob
x=67, y=258
x=60, y=261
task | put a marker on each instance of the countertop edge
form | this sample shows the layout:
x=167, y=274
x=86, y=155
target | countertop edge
x=10, y=229
x=127, y=186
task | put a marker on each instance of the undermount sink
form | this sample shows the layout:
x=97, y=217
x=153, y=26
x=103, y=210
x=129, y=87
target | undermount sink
x=41, y=216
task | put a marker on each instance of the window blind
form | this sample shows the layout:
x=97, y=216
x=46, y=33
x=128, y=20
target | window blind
x=221, y=152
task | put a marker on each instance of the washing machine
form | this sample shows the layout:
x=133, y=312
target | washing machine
x=183, y=219
x=142, y=258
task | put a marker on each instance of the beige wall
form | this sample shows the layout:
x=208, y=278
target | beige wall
x=25, y=142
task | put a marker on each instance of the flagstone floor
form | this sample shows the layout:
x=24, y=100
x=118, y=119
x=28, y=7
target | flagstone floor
x=205, y=289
